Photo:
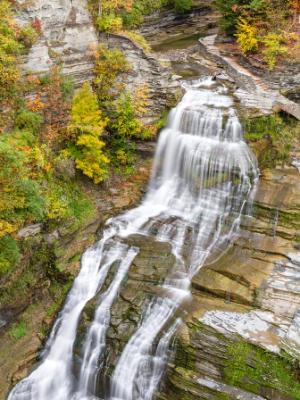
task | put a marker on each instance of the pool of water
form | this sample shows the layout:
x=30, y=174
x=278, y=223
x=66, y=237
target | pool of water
x=179, y=41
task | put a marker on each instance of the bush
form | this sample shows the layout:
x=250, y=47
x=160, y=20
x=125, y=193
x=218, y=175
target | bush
x=246, y=36
x=122, y=153
x=29, y=120
x=9, y=254
x=110, y=23
x=87, y=123
x=133, y=18
x=65, y=201
x=273, y=47
x=230, y=11
x=9, y=49
x=28, y=36
x=183, y=6
x=110, y=63
x=126, y=124
x=21, y=200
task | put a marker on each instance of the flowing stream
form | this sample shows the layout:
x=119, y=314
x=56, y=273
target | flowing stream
x=202, y=180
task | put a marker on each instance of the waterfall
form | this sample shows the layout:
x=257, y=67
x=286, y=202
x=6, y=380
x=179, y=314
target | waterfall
x=201, y=182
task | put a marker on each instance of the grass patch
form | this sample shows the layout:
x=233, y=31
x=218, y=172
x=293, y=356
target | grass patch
x=18, y=330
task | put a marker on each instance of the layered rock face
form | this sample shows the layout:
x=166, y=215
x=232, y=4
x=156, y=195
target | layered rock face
x=146, y=71
x=244, y=321
x=68, y=36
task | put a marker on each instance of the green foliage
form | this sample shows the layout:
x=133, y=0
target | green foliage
x=230, y=11
x=28, y=36
x=21, y=200
x=126, y=124
x=67, y=87
x=183, y=6
x=9, y=254
x=29, y=120
x=87, y=123
x=252, y=368
x=134, y=18
x=122, y=155
x=279, y=130
x=66, y=201
x=273, y=47
x=18, y=331
x=109, y=23
x=110, y=63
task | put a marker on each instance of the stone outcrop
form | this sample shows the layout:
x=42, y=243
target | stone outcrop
x=244, y=302
x=68, y=37
x=145, y=70
x=253, y=92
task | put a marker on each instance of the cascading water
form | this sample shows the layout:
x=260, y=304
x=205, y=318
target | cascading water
x=202, y=178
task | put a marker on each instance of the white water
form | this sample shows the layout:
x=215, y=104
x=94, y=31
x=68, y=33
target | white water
x=202, y=177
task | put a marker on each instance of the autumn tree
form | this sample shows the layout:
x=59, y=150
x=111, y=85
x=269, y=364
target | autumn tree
x=87, y=124
x=56, y=110
x=9, y=49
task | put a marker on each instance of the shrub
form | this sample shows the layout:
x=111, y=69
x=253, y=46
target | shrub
x=9, y=49
x=87, y=123
x=133, y=18
x=9, y=254
x=65, y=201
x=21, y=200
x=18, y=330
x=110, y=23
x=122, y=153
x=110, y=63
x=246, y=36
x=57, y=107
x=28, y=36
x=273, y=47
x=29, y=120
x=183, y=6
x=230, y=10
x=126, y=123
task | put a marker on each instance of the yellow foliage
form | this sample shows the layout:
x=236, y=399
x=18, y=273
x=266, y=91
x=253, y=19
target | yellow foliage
x=246, y=36
x=141, y=99
x=85, y=115
x=110, y=23
x=111, y=5
x=138, y=39
x=6, y=228
x=88, y=123
x=57, y=207
x=273, y=48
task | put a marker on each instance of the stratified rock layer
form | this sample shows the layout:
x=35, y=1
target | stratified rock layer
x=68, y=36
